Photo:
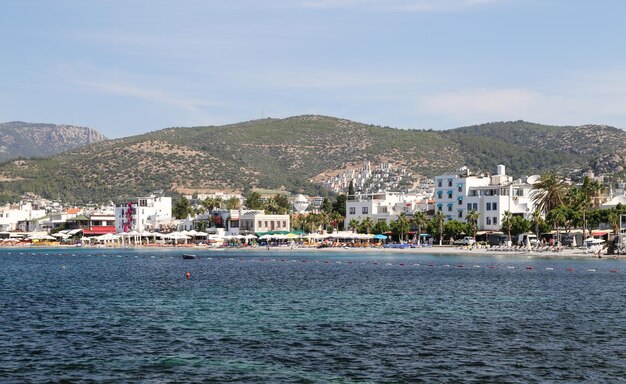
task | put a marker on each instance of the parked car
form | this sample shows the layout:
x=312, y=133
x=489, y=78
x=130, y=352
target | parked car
x=467, y=240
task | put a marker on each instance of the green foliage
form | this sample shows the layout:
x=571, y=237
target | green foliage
x=278, y=205
x=455, y=229
x=339, y=205
x=381, y=227
x=253, y=201
x=182, y=208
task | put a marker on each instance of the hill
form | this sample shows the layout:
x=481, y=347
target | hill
x=288, y=153
x=20, y=139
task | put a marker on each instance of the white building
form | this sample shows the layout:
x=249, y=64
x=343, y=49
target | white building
x=10, y=215
x=143, y=213
x=490, y=196
x=259, y=221
x=385, y=206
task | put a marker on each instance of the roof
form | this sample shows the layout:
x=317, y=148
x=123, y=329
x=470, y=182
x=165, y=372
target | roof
x=73, y=211
x=79, y=218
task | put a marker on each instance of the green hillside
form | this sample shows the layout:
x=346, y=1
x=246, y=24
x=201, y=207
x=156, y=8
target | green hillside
x=288, y=153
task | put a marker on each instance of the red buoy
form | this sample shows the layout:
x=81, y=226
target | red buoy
x=188, y=275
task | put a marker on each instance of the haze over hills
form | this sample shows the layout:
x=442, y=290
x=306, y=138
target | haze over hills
x=289, y=153
x=21, y=139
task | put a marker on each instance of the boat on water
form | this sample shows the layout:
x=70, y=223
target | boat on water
x=189, y=256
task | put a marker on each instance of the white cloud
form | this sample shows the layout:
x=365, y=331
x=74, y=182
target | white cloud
x=596, y=97
x=149, y=94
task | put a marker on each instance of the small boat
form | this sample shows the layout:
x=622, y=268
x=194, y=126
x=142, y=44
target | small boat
x=188, y=256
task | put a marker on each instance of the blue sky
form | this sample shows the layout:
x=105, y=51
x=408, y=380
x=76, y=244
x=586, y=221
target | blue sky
x=129, y=67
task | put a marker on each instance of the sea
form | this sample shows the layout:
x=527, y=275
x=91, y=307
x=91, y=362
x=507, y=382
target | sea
x=98, y=315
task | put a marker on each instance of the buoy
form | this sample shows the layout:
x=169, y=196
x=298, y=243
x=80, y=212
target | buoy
x=460, y=266
x=530, y=267
x=431, y=265
x=188, y=275
x=614, y=270
x=569, y=269
x=491, y=267
x=402, y=264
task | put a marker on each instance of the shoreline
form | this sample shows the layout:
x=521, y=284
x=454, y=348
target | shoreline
x=434, y=250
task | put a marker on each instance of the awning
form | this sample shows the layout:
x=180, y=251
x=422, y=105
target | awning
x=602, y=232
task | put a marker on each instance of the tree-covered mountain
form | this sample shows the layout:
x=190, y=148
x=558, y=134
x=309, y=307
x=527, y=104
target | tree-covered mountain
x=289, y=153
x=20, y=139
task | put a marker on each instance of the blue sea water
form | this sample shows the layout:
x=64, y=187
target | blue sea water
x=107, y=315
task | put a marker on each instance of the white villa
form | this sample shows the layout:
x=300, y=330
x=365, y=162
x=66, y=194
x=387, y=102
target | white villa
x=489, y=195
x=384, y=206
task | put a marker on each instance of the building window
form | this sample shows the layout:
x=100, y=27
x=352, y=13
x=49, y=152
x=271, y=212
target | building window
x=365, y=210
x=488, y=207
x=143, y=203
x=469, y=206
x=475, y=207
x=352, y=210
x=260, y=224
x=494, y=206
x=488, y=220
x=439, y=208
x=495, y=220
x=266, y=224
x=449, y=208
x=439, y=194
x=449, y=182
x=383, y=210
x=460, y=214
x=439, y=183
x=449, y=194
x=460, y=188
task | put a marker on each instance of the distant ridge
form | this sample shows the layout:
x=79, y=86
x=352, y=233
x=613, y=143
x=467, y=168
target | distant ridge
x=22, y=139
x=292, y=154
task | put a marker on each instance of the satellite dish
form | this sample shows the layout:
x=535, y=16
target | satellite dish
x=533, y=179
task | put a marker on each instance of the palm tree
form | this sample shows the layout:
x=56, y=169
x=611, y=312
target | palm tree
x=311, y=221
x=439, y=219
x=367, y=223
x=472, y=220
x=420, y=221
x=232, y=203
x=353, y=225
x=335, y=219
x=557, y=217
x=212, y=202
x=507, y=222
x=589, y=196
x=402, y=225
x=549, y=192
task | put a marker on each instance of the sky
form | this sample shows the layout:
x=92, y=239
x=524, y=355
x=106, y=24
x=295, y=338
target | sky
x=126, y=67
